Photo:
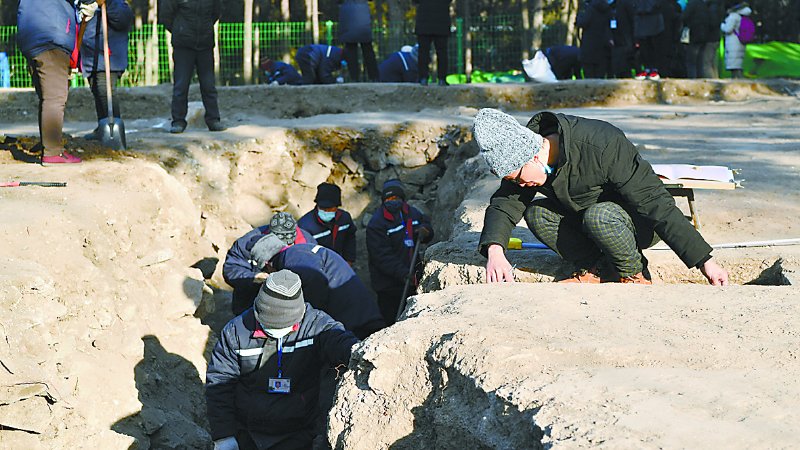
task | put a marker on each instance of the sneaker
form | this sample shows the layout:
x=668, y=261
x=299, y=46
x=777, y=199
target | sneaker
x=653, y=75
x=584, y=276
x=423, y=82
x=63, y=158
x=443, y=83
x=177, y=128
x=641, y=75
x=216, y=126
x=639, y=278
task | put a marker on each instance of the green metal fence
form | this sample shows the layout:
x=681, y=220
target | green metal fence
x=495, y=44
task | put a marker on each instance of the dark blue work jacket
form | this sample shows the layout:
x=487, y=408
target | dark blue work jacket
x=338, y=235
x=389, y=256
x=245, y=358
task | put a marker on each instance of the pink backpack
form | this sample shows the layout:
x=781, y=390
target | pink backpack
x=747, y=30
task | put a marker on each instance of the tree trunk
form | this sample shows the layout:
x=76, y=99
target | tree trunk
x=315, y=20
x=395, y=20
x=151, y=75
x=538, y=23
x=247, y=50
x=285, y=12
x=526, y=28
x=569, y=11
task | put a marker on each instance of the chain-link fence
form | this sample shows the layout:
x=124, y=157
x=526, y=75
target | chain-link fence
x=490, y=43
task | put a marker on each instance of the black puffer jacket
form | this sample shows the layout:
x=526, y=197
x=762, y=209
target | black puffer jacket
x=191, y=22
x=597, y=163
x=433, y=17
x=698, y=17
x=355, y=22
x=594, y=18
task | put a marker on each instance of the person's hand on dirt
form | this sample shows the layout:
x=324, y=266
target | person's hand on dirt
x=228, y=443
x=498, y=269
x=715, y=274
x=87, y=10
x=260, y=277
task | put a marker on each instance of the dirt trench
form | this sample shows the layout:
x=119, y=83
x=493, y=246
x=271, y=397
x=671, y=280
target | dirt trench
x=112, y=286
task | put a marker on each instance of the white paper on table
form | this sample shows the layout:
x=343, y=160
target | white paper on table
x=690, y=172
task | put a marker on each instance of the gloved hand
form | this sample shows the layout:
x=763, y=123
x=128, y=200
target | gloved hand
x=422, y=233
x=228, y=443
x=87, y=10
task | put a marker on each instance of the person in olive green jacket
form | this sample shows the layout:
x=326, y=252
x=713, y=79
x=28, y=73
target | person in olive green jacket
x=603, y=202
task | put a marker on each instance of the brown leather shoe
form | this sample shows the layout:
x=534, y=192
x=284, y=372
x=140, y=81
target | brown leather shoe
x=635, y=279
x=591, y=276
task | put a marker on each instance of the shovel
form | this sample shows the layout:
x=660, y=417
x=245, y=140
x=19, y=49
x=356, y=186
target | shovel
x=112, y=133
x=408, y=280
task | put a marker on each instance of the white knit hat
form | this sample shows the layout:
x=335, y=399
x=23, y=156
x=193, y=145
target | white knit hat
x=504, y=143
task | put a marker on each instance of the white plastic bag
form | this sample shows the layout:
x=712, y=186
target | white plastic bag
x=539, y=69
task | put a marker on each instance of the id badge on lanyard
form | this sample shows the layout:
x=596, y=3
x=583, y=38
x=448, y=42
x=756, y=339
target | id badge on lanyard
x=279, y=384
x=408, y=242
x=613, y=24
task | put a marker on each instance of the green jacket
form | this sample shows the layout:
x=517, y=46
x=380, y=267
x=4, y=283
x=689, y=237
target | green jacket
x=597, y=163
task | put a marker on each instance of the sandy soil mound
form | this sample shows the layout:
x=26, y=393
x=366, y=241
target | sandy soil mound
x=548, y=366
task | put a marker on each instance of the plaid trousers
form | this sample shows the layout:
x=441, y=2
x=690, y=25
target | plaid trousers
x=603, y=231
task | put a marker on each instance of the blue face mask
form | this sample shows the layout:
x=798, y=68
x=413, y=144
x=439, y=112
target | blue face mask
x=326, y=216
x=393, y=205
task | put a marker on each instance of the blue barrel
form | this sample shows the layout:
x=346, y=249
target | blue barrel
x=5, y=71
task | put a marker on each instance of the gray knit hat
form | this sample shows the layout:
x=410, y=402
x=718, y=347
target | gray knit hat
x=284, y=226
x=505, y=144
x=265, y=249
x=280, y=303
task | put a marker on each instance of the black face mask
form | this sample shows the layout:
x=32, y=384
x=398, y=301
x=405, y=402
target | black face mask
x=393, y=205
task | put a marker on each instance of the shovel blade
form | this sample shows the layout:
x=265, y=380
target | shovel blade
x=113, y=135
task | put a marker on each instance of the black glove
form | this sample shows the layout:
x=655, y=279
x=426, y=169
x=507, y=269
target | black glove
x=422, y=233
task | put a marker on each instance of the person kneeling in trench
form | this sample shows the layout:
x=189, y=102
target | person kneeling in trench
x=603, y=201
x=271, y=378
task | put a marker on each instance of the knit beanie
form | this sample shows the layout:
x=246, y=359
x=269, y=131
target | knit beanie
x=328, y=195
x=280, y=303
x=504, y=143
x=284, y=226
x=265, y=249
x=393, y=187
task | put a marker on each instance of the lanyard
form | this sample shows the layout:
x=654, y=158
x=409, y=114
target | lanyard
x=280, y=356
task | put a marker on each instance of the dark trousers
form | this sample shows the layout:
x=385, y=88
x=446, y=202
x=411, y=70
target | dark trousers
x=50, y=75
x=186, y=60
x=97, y=84
x=710, y=59
x=370, y=63
x=425, y=56
x=694, y=60
x=602, y=231
x=389, y=303
x=595, y=69
x=649, y=53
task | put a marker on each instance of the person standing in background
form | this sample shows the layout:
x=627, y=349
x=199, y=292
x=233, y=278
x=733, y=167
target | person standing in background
x=355, y=28
x=596, y=41
x=46, y=35
x=192, y=26
x=93, y=63
x=734, y=47
x=711, y=49
x=432, y=26
x=648, y=29
x=697, y=18
x=622, y=33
